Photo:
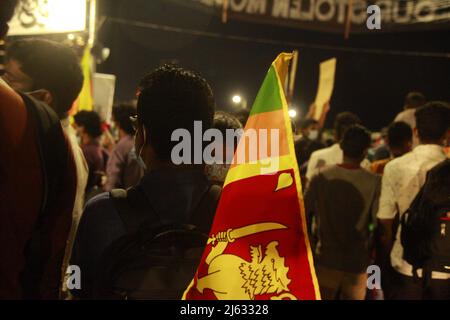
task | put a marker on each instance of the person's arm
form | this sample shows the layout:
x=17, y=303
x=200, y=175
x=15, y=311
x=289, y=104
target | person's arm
x=108, y=141
x=373, y=223
x=323, y=116
x=312, y=166
x=20, y=188
x=13, y=118
x=114, y=167
x=311, y=208
x=386, y=214
x=82, y=256
x=311, y=111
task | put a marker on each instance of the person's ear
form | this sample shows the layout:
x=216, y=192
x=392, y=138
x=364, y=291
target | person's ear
x=416, y=132
x=42, y=95
x=366, y=153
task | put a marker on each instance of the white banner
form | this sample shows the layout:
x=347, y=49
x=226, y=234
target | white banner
x=104, y=86
x=34, y=17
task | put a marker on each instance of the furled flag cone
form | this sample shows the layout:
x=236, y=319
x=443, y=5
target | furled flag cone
x=258, y=248
x=85, y=100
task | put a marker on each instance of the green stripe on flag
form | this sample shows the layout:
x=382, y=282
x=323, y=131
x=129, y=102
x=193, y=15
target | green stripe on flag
x=268, y=98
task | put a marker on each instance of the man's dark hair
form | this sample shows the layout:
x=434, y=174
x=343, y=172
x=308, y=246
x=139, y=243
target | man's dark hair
x=6, y=13
x=51, y=66
x=243, y=116
x=307, y=123
x=399, y=134
x=432, y=121
x=91, y=122
x=355, y=141
x=414, y=100
x=173, y=98
x=122, y=113
x=343, y=121
x=224, y=121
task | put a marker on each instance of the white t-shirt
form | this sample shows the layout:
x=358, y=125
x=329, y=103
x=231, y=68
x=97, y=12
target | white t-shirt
x=408, y=116
x=328, y=157
x=82, y=178
x=402, y=180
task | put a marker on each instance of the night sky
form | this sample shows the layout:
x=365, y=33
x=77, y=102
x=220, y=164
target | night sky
x=371, y=85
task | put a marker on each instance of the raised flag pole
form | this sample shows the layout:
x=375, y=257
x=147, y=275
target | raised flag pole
x=292, y=77
x=225, y=11
x=349, y=19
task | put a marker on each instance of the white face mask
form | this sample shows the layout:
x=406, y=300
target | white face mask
x=139, y=152
x=313, y=134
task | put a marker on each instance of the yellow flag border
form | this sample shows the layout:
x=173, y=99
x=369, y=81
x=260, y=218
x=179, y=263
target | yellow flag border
x=290, y=138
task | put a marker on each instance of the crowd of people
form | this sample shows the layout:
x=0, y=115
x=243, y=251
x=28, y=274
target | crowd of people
x=62, y=178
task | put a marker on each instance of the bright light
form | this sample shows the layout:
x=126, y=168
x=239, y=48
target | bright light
x=237, y=99
x=71, y=36
x=292, y=113
x=50, y=16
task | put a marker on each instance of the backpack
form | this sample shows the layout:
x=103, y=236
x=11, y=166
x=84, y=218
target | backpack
x=153, y=261
x=54, y=155
x=425, y=234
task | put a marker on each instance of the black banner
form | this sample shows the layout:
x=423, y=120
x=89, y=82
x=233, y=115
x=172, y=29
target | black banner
x=330, y=15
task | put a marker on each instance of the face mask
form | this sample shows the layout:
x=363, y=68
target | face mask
x=313, y=134
x=217, y=172
x=139, y=154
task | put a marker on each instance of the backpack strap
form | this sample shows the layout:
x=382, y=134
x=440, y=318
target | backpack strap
x=203, y=215
x=49, y=136
x=133, y=208
x=136, y=211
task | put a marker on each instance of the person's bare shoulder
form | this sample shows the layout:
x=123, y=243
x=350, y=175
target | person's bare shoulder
x=12, y=106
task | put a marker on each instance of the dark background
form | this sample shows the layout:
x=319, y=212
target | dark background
x=373, y=85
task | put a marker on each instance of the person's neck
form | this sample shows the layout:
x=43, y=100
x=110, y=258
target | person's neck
x=351, y=162
x=398, y=152
x=439, y=143
x=122, y=134
x=88, y=140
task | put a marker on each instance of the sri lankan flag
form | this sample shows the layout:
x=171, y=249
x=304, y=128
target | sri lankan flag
x=258, y=247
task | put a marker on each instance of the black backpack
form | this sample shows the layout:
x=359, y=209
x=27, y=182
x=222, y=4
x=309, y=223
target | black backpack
x=425, y=234
x=54, y=155
x=153, y=261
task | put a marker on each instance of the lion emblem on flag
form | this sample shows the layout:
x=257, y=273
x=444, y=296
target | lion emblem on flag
x=231, y=277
